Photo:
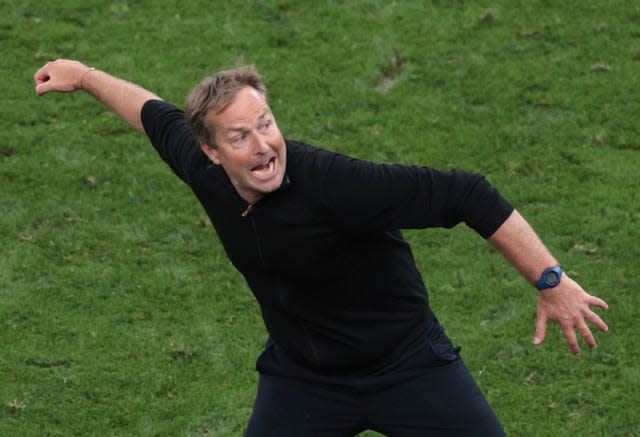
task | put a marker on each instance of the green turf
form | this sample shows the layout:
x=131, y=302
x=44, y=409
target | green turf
x=119, y=313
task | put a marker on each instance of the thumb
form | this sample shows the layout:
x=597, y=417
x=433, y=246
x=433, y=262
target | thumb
x=42, y=88
x=541, y=329
x=43, y=83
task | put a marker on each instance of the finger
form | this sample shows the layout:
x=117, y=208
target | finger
x=596, y=301
x=572, y=340
x=42, y=78
x=596, y=320
x=541, y=329
x=587, y=335
x=43, y=88
x=38, y=74
x=42, y=74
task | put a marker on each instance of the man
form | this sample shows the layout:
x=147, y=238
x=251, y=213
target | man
x=353, y=343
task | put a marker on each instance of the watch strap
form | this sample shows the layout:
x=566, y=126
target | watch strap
x=549, y=278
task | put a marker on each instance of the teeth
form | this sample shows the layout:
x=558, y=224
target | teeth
x=265, y=167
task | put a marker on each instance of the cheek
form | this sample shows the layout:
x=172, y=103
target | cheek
x=277, y=140
x=237, y=161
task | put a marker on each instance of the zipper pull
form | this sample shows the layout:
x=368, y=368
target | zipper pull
x=247, y=211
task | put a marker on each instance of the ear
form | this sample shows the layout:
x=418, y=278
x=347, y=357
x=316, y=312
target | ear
x=211, y=153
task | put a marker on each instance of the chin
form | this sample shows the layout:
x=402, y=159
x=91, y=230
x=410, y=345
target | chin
x=270, y=188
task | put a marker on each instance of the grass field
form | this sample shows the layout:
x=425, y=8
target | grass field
x=119, y=312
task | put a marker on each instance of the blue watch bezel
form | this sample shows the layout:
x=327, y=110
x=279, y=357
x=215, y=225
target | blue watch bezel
x=544, y=282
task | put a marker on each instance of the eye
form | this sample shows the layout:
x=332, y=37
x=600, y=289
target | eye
x=239, y=138
x=266, y=125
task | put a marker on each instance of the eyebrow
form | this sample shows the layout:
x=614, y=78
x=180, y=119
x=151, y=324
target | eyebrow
x=240, y=129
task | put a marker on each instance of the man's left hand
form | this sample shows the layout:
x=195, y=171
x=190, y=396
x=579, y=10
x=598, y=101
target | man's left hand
x=570, y=306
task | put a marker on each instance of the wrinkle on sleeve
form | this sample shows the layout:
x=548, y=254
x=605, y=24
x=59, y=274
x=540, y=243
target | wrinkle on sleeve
x=368, y=196
x=167, y=129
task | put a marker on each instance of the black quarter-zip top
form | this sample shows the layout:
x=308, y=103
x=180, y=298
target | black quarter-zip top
x=324, y=256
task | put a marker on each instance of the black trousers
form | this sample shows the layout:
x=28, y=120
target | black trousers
x=426, y=392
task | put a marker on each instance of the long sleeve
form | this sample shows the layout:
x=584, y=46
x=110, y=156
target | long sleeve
x=366, y=195
x=169, y=133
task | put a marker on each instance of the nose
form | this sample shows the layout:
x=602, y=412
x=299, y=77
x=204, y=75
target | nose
x=261, y=145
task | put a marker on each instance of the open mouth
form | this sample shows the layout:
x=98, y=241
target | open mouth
x=265, y=169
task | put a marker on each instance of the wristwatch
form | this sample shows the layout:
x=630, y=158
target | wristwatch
x=549, y=278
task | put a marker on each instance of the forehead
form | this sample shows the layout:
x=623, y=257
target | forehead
x=247, y=107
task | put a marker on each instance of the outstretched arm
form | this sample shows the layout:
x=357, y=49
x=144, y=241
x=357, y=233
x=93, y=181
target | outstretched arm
x=125, y=98
x=567, y=303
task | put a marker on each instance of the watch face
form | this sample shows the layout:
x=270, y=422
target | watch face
x=549, y=278
x=552, y=278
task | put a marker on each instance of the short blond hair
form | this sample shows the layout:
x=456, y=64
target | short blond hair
x=214, y=93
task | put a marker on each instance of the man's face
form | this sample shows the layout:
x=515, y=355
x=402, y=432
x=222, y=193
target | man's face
x=249, y=145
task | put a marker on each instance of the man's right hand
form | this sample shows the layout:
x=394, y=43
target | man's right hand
x=62, y=75
x=124, y=98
